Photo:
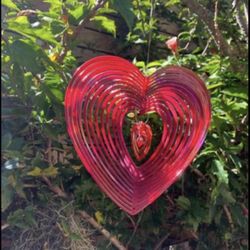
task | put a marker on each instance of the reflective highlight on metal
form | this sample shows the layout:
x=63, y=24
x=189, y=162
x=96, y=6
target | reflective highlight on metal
x=102, y=91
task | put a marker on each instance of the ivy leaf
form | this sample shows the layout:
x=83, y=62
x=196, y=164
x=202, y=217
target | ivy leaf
x=35, y=172
x=99, y=217
x=125, y=8
x=49, y=172
x=219, y=171
x=22, y=218
x=105, y=24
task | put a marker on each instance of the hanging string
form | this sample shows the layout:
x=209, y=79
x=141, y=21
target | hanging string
x=150, y=32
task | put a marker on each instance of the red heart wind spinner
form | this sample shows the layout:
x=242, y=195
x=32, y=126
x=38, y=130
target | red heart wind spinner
x=101, y=93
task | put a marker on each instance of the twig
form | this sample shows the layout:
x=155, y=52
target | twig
x=135, y=229
x=84, y=215
x=198, y=172
x=54, y=189
x=246, y=14
x=161, y=242
x=150, y=32
x=81, y=24
x=142, y=23
x=243, y=24
x=216, y=26
x=131, y=219
x=229, y=217
x=170, y=200
x=48, y=151
x=207, y=45
x=208, y=18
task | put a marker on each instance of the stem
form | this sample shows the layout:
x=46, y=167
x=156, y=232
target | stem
x=150, y=32
x=142, y=23
x=135, y=229
x=102, y=230
x=176, y=58
x=81, y=25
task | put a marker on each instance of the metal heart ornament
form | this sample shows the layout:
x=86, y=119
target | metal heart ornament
x=141, y=138
x=100, y=95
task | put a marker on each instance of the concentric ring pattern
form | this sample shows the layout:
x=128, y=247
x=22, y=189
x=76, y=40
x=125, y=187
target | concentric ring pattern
x=101, y=93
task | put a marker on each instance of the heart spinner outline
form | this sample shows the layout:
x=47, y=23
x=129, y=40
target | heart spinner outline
x=102, y=92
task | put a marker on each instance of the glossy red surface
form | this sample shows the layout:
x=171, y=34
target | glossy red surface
x=101, y=93
x=141, y=138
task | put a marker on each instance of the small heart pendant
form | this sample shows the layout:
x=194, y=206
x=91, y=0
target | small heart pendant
x=141, y=138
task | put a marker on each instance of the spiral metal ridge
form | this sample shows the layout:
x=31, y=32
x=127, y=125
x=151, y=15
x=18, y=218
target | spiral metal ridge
x=99, y=96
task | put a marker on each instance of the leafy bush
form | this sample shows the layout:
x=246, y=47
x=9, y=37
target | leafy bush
x=208, y=204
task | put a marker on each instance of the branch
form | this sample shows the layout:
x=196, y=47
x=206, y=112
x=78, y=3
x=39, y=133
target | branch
x=209, y=19
x=77, y=31
x=86, y=216
x=150, y=32
x=158, y=245
x=54, y=189
x=229, y=217
x=102, y=230
x=135, y=229
x=91, y=14
x=205, y=49
x=243, y=24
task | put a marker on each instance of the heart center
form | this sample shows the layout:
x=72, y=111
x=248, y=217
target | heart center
x=141, y=138
x=142, y=134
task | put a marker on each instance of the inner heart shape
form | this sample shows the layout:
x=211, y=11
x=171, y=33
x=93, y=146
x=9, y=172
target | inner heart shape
x=100, y=95
x=141, y=138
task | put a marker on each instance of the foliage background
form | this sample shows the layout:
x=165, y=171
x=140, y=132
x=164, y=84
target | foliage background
x=208, y=206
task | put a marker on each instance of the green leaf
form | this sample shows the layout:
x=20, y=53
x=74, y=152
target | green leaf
x=6, y=140
x=35, y=172
x=184, y=36
x=50, y=171
x=78, y=13
x=9, y=4
x=22, y=218
x=7, y=193
x=99, y=217
x=52, y=87
x=74, y=236
x=105, y=24
x=125, y=8
x=171, y=3
x=55, y=5
x=22, y=26
x=236, y=92
x=21, y=49
x=236, y=161
x=227, y=195
x=219, y=171
x=183, y=202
